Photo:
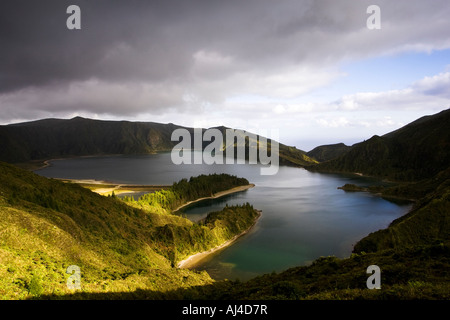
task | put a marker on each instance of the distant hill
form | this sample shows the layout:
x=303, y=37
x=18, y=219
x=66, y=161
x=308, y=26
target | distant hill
x=49, y=138
x=328, y=152
x=417, y=151
x=59, y=138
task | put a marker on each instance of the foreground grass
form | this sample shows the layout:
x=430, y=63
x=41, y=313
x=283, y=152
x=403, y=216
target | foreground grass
x=408, y=274
x=129, y=252
x=48, y=225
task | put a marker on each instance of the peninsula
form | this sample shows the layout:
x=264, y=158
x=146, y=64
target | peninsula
x=196, y=258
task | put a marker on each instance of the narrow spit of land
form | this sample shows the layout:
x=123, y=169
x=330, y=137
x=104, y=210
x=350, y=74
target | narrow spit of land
x=195, y=259
x=106, y=188
x=216, y=195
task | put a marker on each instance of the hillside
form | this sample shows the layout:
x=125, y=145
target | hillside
x=128, y=251
x=59, y=138
x=184, y=192
x=413, y=254
x=47, y=225
x=417, y=151
x=328, y=152
x=50, y=138
x=427, y=223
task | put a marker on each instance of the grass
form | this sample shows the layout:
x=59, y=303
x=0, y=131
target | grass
x=127, y=252
x=47, y=225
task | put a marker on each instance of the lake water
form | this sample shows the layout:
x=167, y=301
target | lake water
x=304, y=215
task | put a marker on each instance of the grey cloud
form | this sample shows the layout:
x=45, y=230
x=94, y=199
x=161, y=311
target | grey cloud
x=149, y=51
x=153, y=40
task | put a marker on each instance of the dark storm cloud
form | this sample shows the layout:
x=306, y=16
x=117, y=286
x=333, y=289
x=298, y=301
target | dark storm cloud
x=118, y=40
x=134, y=57
x=152, y=40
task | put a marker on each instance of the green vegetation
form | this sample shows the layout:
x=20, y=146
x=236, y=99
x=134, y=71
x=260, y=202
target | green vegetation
x=47, y=225
x=184, y=191
x=417, y=151
x=128, y=249
x=230, y=221
x=412, y=273
x=30, y=143
x=328, y=152
x=55, y=138
x=427, y=223
x=218, y=227
x=413, y=254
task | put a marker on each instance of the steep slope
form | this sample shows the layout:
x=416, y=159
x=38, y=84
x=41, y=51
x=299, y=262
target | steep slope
x=47, y=225
x=49, y=138
x=287, y=155
x=417, y=151
x=426, y=224
x=58, y=138
x=413, y=254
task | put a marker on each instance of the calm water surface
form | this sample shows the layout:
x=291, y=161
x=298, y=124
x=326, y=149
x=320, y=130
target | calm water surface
x=304, y=215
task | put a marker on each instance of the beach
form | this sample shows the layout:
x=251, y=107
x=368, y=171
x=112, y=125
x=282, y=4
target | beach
x=106, y=188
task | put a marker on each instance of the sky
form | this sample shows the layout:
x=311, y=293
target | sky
x=310, y=69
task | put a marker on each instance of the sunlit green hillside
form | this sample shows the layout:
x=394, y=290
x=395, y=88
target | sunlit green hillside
x=47, y=225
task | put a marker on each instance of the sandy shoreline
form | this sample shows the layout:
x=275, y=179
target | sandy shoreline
x=217, y=195
x=106, y=187
x=194, y=259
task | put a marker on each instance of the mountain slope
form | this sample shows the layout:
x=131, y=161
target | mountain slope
x=417, y=151
x=328, y=152
x=413, y=254
x=47, y=225
x=427, y=223
x=58, y=138
x=44, y=139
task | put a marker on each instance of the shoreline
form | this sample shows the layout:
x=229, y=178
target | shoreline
x=216, y=195
x=195, y=259
x=105, y=187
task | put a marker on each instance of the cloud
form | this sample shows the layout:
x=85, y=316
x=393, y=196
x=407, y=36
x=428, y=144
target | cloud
x=430, y=92
x=437, y=86
x=333, y=123
x=136, y=57
x=94, y=96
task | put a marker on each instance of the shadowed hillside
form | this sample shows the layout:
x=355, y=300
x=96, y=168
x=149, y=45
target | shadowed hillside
x=417, y=151
x=57, y=138
x=328, y=152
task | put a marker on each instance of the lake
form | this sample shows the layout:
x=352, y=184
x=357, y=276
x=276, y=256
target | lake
x=304, y=215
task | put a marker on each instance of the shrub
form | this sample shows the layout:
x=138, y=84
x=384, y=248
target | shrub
x=35, y=287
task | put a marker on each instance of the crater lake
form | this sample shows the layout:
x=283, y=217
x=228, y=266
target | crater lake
x=304, y=215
